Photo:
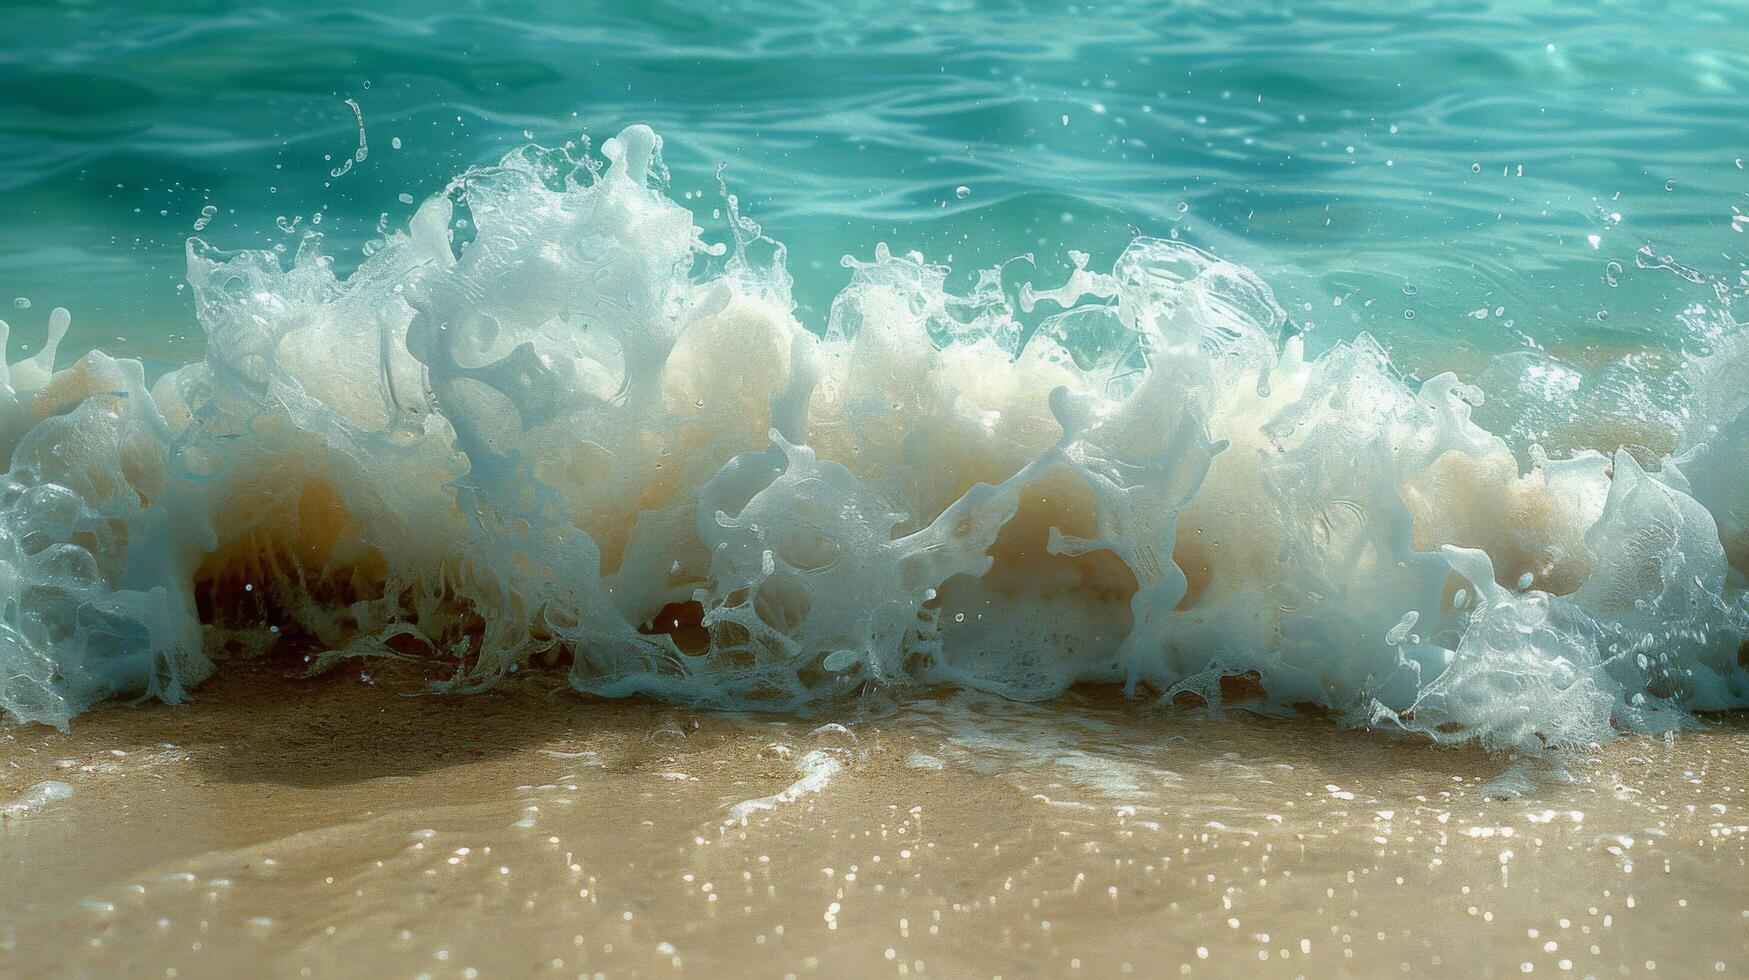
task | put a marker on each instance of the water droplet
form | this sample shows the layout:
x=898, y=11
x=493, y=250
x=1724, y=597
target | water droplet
x=1401, y=631
x=1410, y=289
x=206, y=217
x=395, y=143
x=358, y=155
x=1408, y=314
x=962, y=192
x=405, y=198
x=22, y=302
x=1475, y=168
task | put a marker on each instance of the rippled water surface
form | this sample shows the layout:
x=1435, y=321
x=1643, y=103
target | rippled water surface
x=1459, y=178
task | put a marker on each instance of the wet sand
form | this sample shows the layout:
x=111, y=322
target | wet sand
x=333, y=826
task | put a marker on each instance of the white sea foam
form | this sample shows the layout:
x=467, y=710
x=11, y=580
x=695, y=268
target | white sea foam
x=585, y=435
x=37, y=797
x=815, y=769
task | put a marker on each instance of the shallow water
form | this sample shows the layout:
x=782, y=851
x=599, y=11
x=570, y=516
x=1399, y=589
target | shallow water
x=334, y=825
x=1546, y=198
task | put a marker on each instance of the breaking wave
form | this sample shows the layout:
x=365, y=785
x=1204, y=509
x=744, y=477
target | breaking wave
x=548, y=424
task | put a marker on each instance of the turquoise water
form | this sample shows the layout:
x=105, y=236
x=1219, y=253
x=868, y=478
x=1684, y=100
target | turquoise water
x=1383, y=361
x=1346, y=151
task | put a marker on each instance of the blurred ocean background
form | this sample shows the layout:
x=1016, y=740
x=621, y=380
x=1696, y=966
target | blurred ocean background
x=1463, y=179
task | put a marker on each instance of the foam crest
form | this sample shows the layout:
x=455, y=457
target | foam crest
x=548, y=424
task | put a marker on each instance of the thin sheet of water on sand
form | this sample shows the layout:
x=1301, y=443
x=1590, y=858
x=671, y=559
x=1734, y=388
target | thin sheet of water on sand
x=333, y=824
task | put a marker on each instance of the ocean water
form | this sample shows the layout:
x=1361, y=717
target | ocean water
x=1396, y=375
x=1466, y=151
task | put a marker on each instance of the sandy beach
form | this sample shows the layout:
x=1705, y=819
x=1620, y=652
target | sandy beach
x=302, y=826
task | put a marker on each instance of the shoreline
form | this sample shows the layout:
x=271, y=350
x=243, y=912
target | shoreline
x=327, y=822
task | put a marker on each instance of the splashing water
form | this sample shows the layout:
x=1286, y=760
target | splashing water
x=584, y=435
